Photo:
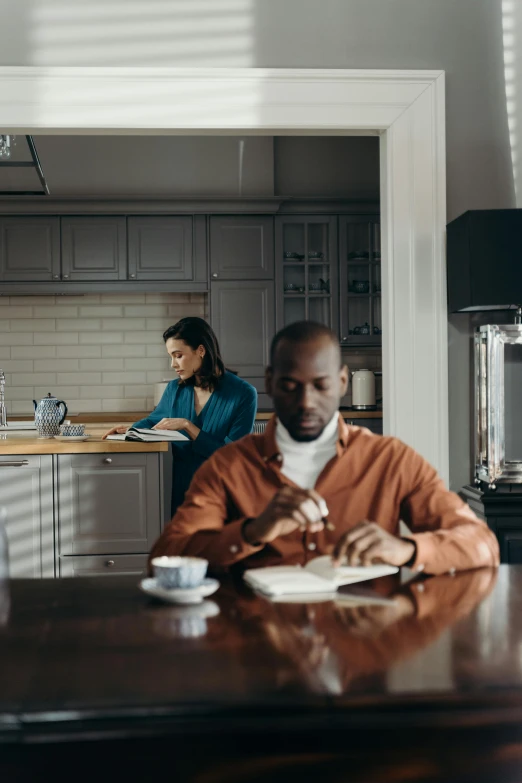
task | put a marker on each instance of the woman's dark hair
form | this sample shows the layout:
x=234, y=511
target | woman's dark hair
x=195, y=332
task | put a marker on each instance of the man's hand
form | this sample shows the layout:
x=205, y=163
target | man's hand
x=367, y=543
x=171, y=424
x=290, y=509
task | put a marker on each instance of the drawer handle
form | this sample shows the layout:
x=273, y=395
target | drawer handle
x=108, y=461
x=109, y=563
x=15, y=463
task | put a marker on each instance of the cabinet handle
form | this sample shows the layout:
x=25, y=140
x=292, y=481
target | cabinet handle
x=214, y=274
x=107, y=460
x=109, y=563
x=132, y=277
x=15, y=463
x=66, y=277
x=56, y=277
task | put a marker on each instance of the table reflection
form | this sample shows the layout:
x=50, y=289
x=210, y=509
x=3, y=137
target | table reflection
x=338, y=648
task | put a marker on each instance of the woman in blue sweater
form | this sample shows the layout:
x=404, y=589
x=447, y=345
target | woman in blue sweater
x=209, y=404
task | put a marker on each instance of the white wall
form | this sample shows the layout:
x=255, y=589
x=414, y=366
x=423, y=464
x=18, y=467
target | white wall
x=99, y=352
x=463, y=37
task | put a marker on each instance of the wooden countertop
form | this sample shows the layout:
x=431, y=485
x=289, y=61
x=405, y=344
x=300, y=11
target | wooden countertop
x=25, y=443
x=132, y=416
x=281, y=688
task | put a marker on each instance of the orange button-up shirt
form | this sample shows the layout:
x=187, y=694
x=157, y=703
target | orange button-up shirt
x=373, y=478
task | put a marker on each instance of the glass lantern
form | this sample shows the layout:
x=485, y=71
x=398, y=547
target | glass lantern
x=498, y=373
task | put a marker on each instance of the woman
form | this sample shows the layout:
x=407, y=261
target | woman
x=209, y=404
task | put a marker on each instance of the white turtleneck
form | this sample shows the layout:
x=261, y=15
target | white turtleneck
x=303, y=462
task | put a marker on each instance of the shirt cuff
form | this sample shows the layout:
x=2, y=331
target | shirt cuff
x=232, y=546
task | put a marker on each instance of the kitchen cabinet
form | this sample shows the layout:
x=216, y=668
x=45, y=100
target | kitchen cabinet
x=510, y=542
x=94, y=248
x=103, y=565
x=242, y=315
x=242, y=247
x=26, y=492
x=502, y=510
x=360, y=279
x=105, y=253
x=160, y=248
x=307, y=270
x=29, y=249
x=108, y=503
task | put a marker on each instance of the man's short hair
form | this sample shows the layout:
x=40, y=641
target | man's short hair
x=302, y=332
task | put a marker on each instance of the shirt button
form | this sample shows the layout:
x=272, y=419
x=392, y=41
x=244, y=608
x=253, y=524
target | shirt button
x=420, y=567
x=312, y=546
x=234, y=549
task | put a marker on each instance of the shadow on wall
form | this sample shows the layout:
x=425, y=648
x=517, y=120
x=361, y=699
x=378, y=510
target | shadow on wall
x=110, y=32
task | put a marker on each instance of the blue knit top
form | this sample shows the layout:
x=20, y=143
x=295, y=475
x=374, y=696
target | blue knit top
x=228, y=415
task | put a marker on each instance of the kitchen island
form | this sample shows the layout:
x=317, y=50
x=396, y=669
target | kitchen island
x=75, y=508
x=98, y=681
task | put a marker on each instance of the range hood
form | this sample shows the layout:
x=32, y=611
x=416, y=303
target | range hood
x=21, y=172
x=484, y=260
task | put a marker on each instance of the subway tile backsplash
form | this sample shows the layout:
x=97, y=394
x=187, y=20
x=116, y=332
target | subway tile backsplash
x=99, y=352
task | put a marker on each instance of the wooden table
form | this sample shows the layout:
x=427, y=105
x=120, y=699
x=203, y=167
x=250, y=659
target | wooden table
x=99, y=682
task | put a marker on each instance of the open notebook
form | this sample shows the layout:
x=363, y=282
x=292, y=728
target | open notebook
x=148, y=436
x=317, y=576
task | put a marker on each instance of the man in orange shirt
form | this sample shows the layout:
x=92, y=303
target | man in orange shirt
x=312, y=485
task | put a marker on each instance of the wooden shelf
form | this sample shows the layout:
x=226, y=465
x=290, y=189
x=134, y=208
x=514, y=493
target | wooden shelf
x=360, y=340
x=311, y=294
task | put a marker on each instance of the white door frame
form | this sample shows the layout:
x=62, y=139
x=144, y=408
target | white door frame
x=405, y=107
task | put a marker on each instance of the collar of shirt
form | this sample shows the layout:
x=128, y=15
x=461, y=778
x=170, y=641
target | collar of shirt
x=303, y=462
x=270, y=449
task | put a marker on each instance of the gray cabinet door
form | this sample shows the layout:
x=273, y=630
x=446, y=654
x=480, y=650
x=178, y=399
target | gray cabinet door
x=103, y=565
x=26, y=492
x=242, y=247
x=242, y=315
x=160, y=248
x=29, y=249
x=108, y=503
x=94, y=248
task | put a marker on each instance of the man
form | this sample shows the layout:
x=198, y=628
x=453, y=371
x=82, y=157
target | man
x=312, y=485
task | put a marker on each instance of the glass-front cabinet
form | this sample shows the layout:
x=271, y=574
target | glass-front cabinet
x=360, y=280
x=307, y=270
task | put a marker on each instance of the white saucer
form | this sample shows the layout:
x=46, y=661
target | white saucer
x=71, y=438
x=178, y=595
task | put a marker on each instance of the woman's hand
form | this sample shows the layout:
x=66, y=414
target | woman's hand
x=118, y=430
x=171, y=424
x=178, y=424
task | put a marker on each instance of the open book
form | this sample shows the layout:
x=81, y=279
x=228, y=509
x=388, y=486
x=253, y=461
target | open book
x=148, y=436
x=317, y=576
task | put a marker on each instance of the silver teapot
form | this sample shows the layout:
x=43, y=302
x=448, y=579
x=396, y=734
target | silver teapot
x=48, y=416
